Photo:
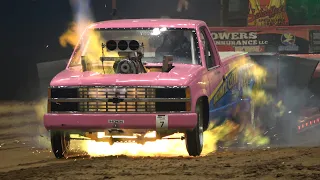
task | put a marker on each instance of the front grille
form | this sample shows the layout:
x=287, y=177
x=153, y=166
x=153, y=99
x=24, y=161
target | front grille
x=108, y=99
x=113, y=93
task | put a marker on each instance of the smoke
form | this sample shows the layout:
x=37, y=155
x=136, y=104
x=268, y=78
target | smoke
x=300, y=105
x=283, y=98
x=182, y=5
x=82, y=14
x=82, y=18
x=289, y=97
x=70, y=36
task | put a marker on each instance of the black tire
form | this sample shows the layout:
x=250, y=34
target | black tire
x=60, y=142
x=194, y=138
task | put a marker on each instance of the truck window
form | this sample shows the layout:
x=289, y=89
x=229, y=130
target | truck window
x=209, y=55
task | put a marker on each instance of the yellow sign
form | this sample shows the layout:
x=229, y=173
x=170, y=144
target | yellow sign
x=267, y=13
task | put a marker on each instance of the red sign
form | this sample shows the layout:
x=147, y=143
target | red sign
x=280, y=39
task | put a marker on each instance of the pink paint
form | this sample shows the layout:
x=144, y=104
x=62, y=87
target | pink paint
x=180, y=75
x=131, y=121
x=149, y=23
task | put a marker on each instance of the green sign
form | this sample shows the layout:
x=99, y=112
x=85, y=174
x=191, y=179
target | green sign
x=303, y=12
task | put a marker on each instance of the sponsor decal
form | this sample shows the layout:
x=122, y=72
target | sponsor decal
x=111, y=121
x=237, y=39
x=314, y=41
x=288, y=41
x=250, y=48
x=232, y=79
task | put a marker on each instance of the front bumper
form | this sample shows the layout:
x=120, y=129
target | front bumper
x=87, y=121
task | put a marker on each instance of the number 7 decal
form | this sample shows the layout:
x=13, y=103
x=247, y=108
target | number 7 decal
x=162, y=121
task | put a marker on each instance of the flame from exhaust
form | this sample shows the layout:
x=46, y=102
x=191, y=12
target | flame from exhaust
x=90, y=47
x=70, y=36
x=215, y=134
x=82, y=19
x=166, y=147
x=163, y=147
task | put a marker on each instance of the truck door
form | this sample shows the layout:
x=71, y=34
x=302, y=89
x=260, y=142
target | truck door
x=214, y=69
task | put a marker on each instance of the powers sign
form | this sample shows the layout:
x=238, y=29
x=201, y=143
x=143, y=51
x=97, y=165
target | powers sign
x=240, y=41
x=237, y=38
x=287, y=40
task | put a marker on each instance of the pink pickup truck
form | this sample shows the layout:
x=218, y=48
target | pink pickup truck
x=131, y=77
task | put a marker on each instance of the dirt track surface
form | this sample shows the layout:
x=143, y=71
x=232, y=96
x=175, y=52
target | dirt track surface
x=25, y=154
x=291, y=163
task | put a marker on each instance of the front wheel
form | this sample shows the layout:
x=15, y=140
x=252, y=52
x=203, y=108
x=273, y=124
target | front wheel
x=60, y=142
x=194, y=138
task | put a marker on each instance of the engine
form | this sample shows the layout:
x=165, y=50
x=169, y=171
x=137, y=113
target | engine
x=127, y=66
x=131, y=53
x=129, y=59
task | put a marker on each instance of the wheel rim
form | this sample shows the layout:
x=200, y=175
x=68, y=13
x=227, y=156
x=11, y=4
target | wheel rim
x=65, y=143
x=200, y=124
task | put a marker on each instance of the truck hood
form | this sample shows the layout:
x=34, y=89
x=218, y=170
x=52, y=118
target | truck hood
x=180, y=75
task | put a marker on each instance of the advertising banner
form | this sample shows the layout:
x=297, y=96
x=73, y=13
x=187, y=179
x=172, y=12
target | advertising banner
x=286, y=39
x=267, y=13
x=315, y=41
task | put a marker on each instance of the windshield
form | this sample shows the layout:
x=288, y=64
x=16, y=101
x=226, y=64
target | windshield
x=155, y=42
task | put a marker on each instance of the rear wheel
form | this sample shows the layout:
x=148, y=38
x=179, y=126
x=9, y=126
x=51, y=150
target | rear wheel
x=194, y=138
x=60, y=142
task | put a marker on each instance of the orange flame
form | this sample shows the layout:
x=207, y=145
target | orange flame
x=163, y=147
x=70, y=36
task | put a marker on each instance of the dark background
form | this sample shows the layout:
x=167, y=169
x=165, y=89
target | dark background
x=31, y=28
